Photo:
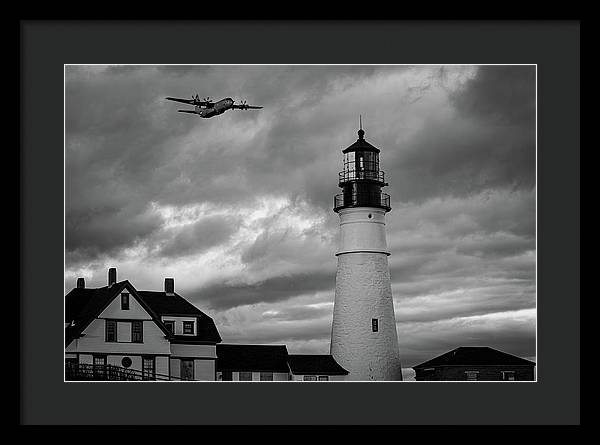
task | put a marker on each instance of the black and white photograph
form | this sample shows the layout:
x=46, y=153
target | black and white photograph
x=320, y=223
x=293, y=222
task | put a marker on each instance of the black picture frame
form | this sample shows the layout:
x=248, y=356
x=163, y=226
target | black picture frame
x=46, y=46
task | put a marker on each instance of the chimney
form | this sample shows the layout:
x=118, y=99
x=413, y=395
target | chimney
x=80, y=283
x=170, y=286
x=112, y=276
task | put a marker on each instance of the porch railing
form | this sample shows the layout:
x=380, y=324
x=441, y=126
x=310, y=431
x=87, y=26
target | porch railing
x=84, y=371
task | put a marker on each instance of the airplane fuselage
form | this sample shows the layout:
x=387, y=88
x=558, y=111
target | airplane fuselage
x=217, y=108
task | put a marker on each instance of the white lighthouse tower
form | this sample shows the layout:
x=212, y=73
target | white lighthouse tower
x=363, y=334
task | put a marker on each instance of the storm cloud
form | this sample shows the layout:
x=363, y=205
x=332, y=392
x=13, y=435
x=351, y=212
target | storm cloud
x=238, y=208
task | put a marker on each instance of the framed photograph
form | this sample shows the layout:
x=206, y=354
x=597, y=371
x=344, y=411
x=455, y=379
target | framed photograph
x=320, y=231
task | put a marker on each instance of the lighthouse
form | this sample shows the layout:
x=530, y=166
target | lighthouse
x=363, y=333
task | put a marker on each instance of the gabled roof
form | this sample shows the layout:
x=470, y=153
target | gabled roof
x=164, y=304
x=314, y=364
x=82, y=305
x=175, y=304
x=252, y=358
x=475, y=356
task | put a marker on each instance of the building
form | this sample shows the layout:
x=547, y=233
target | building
x=274, y=363
x=363, y=336
x=472, y=363
x=252, y=363
x=315, y=368
x=117, y=332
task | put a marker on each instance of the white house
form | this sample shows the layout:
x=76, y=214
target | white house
x=117, y=332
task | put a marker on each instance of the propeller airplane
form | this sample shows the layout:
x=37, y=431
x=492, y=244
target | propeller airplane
x=206, y=108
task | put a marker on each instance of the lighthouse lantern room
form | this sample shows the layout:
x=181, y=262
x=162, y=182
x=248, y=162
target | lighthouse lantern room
x=361, y=180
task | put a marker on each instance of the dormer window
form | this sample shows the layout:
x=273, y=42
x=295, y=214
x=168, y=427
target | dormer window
x=188, y=327
x=125, y=301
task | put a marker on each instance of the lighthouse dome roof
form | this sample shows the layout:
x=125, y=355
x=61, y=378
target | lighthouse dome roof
x=361, y=144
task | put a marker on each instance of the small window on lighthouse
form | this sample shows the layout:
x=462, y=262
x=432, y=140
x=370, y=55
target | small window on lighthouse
x=375, y=324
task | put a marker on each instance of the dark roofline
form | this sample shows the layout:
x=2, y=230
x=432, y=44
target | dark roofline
x=80, y=326
x=194, y=311
x=326, y=362
x=439, y=361
x=361, y=145
x=277, y=362
x=190, y=340
x=510, y=365
x=117, y=289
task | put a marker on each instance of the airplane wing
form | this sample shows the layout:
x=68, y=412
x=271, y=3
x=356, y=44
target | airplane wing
x=187, y=111
x=245, y=107
x=201, y=103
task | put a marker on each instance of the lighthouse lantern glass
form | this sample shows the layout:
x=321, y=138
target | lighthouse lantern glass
x=361, y=165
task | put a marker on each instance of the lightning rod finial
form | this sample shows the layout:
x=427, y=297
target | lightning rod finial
x=361, y=132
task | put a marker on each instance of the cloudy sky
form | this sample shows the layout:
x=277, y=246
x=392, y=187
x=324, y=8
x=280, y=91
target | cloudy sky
x=238, y=208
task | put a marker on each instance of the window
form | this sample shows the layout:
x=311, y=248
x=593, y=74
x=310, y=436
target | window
x=323, y=378
x=227, y=376
x=148, y=368
x=170, y=324
x=471, y=375
x=110, y=330
x=310, y=378
x=266, y=376
x=125, y=301
x=188, y=327
x=375, y=325
x=245, y=376
x=99, y=367
x=508, y=375
x=137, y=332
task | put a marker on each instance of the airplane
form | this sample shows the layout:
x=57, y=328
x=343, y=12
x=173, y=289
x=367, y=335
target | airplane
x=207, y=108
